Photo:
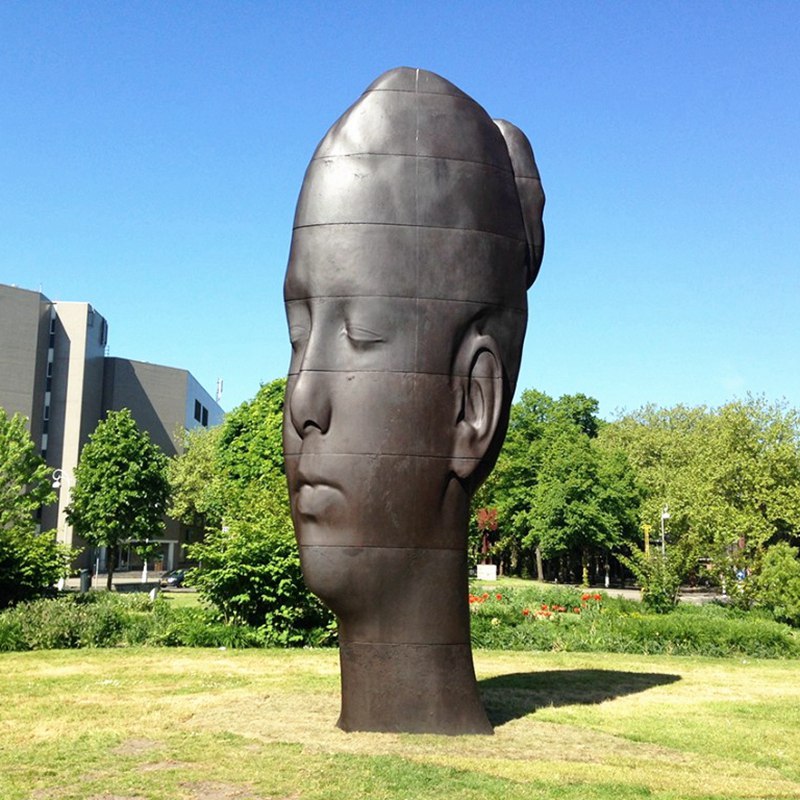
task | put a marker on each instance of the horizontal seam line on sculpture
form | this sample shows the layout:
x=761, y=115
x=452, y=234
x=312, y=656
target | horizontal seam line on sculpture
x=495, y=167
x=311, y=370
x=383, y=455
x=457, y=549
x=431, y=374
x=416, y=90
x=406, y=297
x=413, y=225
x=407, y=644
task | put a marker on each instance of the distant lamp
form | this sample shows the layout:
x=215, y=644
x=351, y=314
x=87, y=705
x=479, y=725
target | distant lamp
x=57, y=476
x=664, y=516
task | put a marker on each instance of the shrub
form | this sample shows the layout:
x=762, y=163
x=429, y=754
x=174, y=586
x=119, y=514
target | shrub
x=251, y=574
x=107, y=619
x=776, y=586
x=566, y=619
x=659, y=577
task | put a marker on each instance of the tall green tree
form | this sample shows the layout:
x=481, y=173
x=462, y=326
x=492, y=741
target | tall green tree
x=30, y=562
x=121, y=488
x=559, y=495
x=730, y=477
x=196, y=497
x=585, y=500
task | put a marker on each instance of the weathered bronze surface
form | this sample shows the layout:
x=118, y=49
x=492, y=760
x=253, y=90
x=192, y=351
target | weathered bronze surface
x=417, y=233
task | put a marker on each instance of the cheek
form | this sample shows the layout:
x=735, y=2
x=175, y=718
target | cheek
x=373, y=413
x=388, y=501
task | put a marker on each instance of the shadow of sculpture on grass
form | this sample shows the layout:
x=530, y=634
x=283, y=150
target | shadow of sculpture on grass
x=509, y=697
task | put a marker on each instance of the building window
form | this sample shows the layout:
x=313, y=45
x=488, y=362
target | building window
x=205, y=417
x=198, y=410
x=104, y=334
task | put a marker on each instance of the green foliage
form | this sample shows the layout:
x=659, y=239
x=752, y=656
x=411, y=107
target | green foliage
x=776, y=585
x=584, y=498
x=568, y=620
x=251, y=574
x=730, y=476
x=559, y=493
x=121, y=488
x=659, y=576
x=194, y=480
x=30, y=563
x=109, y=619
x=249, y=564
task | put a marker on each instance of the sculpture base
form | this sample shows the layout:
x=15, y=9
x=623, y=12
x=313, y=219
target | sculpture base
x=410, y=688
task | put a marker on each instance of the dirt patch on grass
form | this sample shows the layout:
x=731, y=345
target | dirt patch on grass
x=216, y=790
x=159, y=766
x=117, y=797
x=135, y=747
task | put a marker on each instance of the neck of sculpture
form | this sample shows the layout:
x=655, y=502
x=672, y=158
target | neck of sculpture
x=410, y=688
x=406, y=658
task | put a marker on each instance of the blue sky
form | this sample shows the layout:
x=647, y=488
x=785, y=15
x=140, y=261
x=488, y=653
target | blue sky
x=151, y=154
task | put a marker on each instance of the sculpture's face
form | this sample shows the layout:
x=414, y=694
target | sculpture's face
x=369, y=409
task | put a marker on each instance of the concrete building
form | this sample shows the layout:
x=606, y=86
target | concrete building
x=54, y=371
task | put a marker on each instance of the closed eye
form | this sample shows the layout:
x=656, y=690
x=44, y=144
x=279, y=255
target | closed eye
x=298, y=335
x=362, y=337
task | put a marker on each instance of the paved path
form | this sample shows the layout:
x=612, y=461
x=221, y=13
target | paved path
x=132, y=581
x=687, y=595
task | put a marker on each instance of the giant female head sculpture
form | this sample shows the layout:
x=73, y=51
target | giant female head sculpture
x=417, y=234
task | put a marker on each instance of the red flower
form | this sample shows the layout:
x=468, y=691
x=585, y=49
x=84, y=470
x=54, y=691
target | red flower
x=525, y=612
x=544, y=606
x=577, y=610
x=485, y=596
x=597, y=597
x=586, y=597
x=499, y=596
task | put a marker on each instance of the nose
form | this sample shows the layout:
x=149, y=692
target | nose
x=310, y=402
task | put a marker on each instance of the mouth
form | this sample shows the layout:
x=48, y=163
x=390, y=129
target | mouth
x=315, y=499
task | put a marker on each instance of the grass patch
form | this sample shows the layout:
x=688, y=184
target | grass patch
x=256, y=724
x=182, y=599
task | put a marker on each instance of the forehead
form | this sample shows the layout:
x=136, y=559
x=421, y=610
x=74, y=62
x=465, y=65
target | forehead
x=346, y=260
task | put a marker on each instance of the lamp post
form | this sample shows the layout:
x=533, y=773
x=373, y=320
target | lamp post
x=664, y=516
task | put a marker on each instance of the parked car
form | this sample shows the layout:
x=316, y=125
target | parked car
x=174, y=578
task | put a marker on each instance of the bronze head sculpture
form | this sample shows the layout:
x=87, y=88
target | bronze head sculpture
x=417, y=233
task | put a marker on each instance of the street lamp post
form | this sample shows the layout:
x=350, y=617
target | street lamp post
x=58, y=477
x=664, y=517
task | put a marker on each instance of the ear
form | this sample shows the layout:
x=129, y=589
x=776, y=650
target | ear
x=478, y=379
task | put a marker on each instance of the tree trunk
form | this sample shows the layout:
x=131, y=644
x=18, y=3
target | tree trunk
x=111, y=565
x=539, y=569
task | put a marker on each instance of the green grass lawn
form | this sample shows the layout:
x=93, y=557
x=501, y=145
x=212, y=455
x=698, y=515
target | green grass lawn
x=182, y=599
x=165, y=724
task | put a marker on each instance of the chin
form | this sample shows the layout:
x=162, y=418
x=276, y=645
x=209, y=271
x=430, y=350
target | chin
x=335, y=575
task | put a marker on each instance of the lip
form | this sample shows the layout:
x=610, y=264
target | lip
x=316, y=499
